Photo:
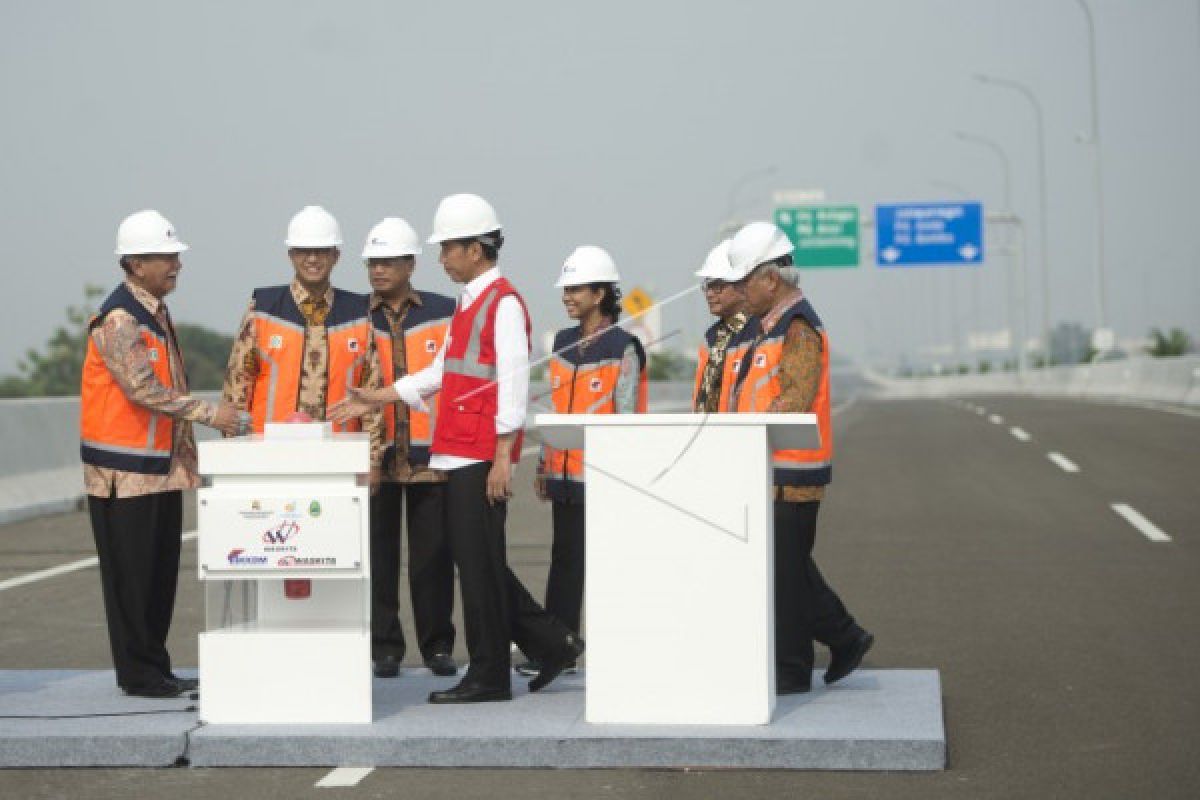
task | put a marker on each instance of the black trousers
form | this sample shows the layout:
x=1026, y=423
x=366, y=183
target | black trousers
x=564, y=584
x=806, y=609
x=137, y=543
x=430, y=569
x=497, y=608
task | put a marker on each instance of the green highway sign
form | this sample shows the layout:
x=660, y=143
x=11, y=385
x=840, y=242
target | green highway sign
x=824, y=236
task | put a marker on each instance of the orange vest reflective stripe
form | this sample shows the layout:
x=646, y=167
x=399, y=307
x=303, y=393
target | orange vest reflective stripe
x=279, y=345
x=424, y=329
x=115, y=432
x=735, y=348
x=586, y=383
x=758, y=385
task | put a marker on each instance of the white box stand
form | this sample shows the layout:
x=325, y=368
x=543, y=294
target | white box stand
x=278, y=509
x=679, y=562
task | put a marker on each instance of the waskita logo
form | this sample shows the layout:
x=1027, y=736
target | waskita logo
x=282, y=533
x=306, y=561
x=236, y=559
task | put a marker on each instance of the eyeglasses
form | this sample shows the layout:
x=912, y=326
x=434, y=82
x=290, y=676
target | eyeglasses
x=714, y=285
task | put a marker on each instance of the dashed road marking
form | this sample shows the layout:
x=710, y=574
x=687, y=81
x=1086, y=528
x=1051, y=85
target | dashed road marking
x=980, y=410
x=1019, y=434
x=343, y=777
x=996, y=419
x=1144, y=526
x=1064, y=463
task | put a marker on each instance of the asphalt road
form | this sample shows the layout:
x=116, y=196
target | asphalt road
x=1068, y=642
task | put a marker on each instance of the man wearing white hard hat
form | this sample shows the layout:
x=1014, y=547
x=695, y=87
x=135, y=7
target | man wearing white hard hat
x=786, y=369
x=301, y=345
x=482, y=372
x=139, y=454
x=409, y=327
x=596, y=367
x=719, y=357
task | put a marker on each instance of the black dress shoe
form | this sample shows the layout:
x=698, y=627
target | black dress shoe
x=845, y=659
x=471, y=693
x=442, y=664
x=552, y=666
x=185, y=684
x=785, y=685
x=164, y=688
x=386, y=667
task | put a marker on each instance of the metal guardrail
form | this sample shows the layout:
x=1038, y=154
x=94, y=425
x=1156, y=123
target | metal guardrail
x=40, y=471
x=1159, y=380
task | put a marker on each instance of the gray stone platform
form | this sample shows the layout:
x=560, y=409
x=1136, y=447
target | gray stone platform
x=874, y=720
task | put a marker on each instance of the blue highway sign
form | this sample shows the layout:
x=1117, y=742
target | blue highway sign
x=909, y=234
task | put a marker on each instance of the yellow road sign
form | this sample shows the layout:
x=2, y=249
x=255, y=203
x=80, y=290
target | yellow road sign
x=636, y=301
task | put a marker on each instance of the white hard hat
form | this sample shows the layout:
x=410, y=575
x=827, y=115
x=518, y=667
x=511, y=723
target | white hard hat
x=755, y=244
x=588, y=264
x=716, y=263
x=391, y=237
x=462, y=216
x=147, y=232
x=313, y=226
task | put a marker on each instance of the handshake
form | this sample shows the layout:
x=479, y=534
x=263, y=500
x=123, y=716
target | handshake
x=230, y=420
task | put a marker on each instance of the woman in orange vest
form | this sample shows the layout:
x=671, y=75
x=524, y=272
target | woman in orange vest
x=596, y=368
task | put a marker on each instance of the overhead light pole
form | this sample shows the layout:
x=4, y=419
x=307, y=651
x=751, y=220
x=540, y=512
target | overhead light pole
x=1094, y=141
x=1006, y=164
x=1039, y=118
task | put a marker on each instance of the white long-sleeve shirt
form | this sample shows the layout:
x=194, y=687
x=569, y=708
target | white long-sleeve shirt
x=512, y=368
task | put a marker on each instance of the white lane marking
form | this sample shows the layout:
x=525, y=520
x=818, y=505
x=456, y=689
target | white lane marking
x=63, y=569
x=980, y=410
x=1064, y=463
x=344, y=776
x=996, y=419
x=1144, y=526
x=1019, y=434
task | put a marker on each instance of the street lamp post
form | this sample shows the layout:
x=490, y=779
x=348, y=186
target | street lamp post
x=1039, y=118
x=1101, y=296
x=730, y=225
x=1023, y=291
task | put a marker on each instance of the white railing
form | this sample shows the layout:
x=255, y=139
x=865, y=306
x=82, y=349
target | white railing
x=1160, y=380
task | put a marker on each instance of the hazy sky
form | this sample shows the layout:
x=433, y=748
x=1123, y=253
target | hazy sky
x=620, y=124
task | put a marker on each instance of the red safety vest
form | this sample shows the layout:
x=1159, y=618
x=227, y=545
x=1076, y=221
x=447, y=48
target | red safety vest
x=469, y=398
x=758, y=385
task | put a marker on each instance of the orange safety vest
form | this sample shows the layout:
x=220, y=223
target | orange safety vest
x=279, y=344
x=586, y=383
x=735, y=349
x=424, y=327
x=758, y=385
x=116, y=432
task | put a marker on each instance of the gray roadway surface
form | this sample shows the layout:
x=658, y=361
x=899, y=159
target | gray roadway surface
x=1068, y=643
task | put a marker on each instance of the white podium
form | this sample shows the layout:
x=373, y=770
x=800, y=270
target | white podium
x=282, y=509
x=679, y=562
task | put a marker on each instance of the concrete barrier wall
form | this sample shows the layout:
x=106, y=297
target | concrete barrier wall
x=40, y=472
x=1159, y=380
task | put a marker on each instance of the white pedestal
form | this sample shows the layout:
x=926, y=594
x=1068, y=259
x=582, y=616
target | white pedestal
x=279, y=510
x=679, y=562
